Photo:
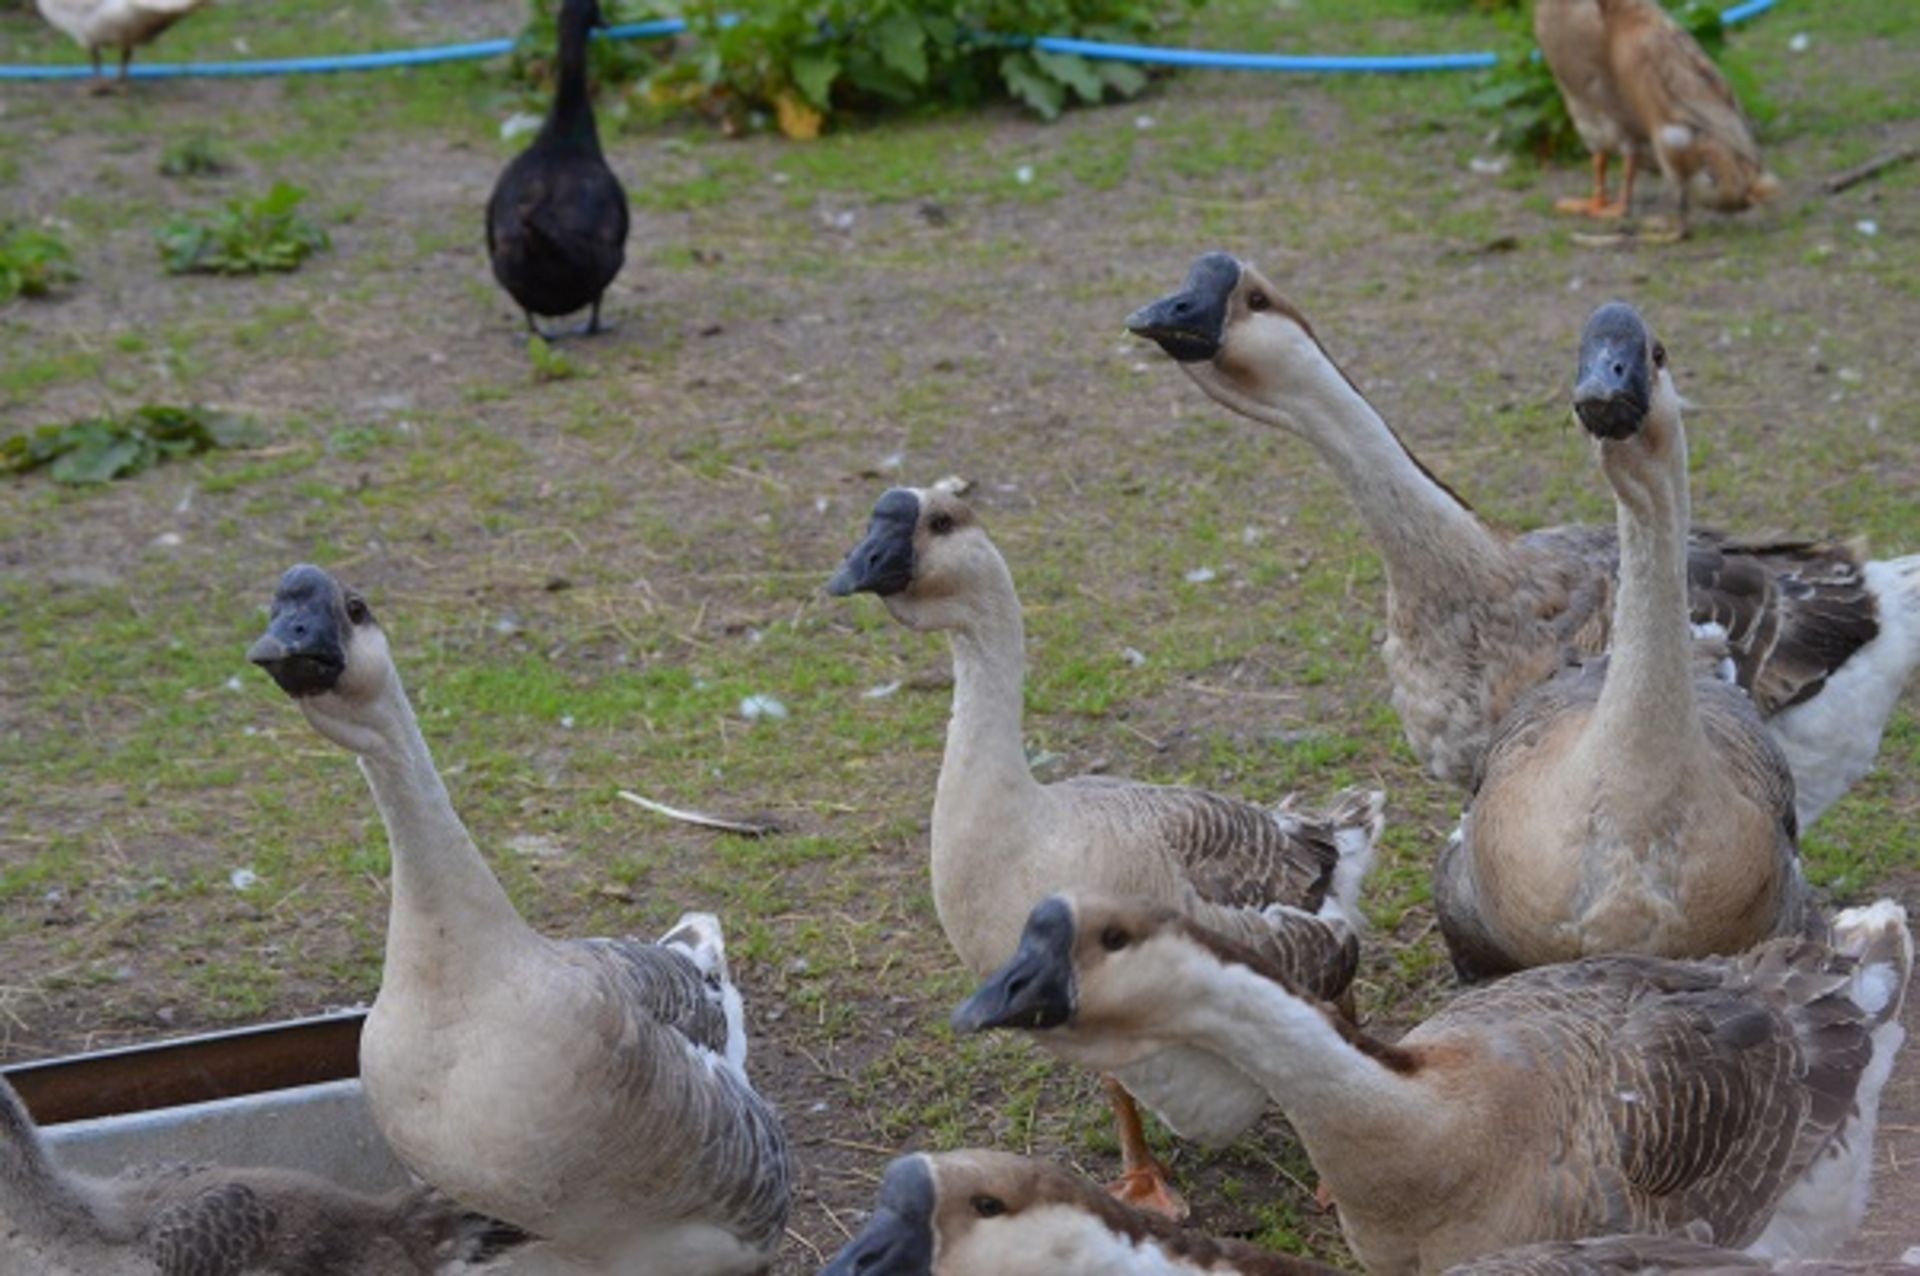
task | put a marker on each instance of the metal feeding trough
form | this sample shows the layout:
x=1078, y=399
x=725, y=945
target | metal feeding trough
x=284, y=1094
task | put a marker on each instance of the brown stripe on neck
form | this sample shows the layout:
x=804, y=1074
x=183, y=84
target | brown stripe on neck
x=1233, y=953
x=1183, y=1244
x=1288, y=309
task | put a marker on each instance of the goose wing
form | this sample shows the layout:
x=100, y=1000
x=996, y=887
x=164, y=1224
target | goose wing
x=1615, y=1256
x=1793, y=611
x=219, y=1231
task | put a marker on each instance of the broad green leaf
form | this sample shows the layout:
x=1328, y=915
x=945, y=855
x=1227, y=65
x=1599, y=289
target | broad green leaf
x=1026, y=82
x=1073, y=71
x=902, y=46
x=1122, y=77
x=814, y=72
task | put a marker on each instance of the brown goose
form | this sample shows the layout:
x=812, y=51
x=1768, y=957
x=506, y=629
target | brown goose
x=189, y=1220
x=976, y=1213
x=1634, y=803
x=1653, y=1256
x=1636, y=84
x=115, y=24
x=1277, y=879
x=1822, y=639
x=591, y=1092
x=1619, y=1094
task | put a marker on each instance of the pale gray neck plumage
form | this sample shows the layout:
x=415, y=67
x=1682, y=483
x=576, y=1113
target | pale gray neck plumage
x=986, y=751
x=1430, y=542
x=1646, y=710
x=444, y=895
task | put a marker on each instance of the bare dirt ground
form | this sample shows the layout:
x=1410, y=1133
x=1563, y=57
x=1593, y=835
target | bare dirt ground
x=584, y=576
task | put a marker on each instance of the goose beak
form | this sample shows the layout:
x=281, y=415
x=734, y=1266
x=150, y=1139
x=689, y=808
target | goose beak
x=882, y=563
x=1191, y=324
x=898, y=1239
x=1035, y=989
x=1614, y=386
x=302, y=650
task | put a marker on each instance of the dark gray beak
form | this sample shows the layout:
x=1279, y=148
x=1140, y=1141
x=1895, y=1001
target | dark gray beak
x=1035, y=989
x=1191, y=324
x=883, y=562
x=898, y=1239
x=302, y=648
x=1614, y=386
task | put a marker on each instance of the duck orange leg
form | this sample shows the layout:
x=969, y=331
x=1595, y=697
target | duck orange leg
x=1143, y=1180
x=1596, y=205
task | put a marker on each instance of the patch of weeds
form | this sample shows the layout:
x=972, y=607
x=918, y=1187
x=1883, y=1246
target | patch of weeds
x=33, y=263
x=100, y=449
x=550, y=363
x=247, y=237
x=194, y=156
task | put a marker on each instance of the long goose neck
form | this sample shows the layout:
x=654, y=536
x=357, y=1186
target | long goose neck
x=444, y=895
x=1348, y=1097
x=33, y=1194
x=1429, y=539
x=1647, y=710
x=986, y=750
x=571, y=119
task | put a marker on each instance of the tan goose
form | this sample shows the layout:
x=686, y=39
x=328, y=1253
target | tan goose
x=591, y=1092
x=1634, y=803
x=1276, y=879
x=977, y=1213
x=115, y=24
x=189, y=1220
x=1617, y=1094
x=1476, y=616
x=1637, y=85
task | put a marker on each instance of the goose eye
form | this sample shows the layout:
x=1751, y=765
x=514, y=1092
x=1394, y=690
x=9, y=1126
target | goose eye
x=940, y=524
x=1114, y=938
x=1258, y=301
x=989, y=1206
x=1659, y=355
x=357, y=610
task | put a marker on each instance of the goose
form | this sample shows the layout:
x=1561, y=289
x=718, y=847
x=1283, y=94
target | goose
x=1821, y=638
x=1634, y=802
x=982, y=1213
x=593, y=1092
x=1280, y=880
x=557, y=220
x=186, y=1220
x=1636, y=84
x=121, y=24
x=1618, y=1094
x=1693, y=1253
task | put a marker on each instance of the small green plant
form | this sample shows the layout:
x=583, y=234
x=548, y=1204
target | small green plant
x=193, y=156
x=549, y=363
x=245, y=238
x=33, y=263
x=1529, y=113
x=100, y=449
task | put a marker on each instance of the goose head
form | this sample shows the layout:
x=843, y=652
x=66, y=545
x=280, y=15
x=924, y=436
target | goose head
x=1243, y=342
x=1624, y=398
x=980, y=1213
x=926, y=556
x=1124, y=978
x=324, y=649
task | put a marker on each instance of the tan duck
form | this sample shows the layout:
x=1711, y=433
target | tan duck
x=1637, y=85
x=1622, y=1094
x=593, y=1092
x=193, y=1220
x=1633, y=803
x=1476, y=616
x=978, y=1213
x=115, y=24
x=1276, y=878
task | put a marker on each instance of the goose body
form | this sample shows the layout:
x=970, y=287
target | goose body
x=1279, y=879
x=978, y=1213
x=115, y=24
x=591, y=1092
x=1621, y=1094
x=1633, y=803
x=185, y=1220
x=1653, y=1256
x=557, y=219
x=1822, y=639
x=1637, y=84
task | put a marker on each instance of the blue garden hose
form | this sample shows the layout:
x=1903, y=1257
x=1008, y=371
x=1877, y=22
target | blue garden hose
x=1141, y=53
